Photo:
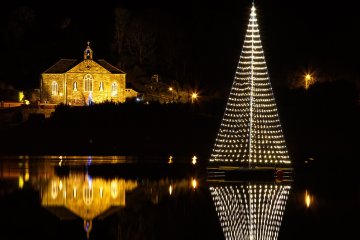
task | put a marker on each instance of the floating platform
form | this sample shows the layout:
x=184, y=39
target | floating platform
x=230, y=173
x=134, y=170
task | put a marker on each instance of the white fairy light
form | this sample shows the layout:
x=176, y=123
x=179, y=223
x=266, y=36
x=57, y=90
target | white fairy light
x=250, y=210
x=250, y=131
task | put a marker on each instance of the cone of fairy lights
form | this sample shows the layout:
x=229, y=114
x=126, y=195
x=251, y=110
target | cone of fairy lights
x=250, y=133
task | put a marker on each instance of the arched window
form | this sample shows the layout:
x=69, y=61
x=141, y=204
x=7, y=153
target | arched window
x=75, y=86
x=88, y=83
x=88, y=194
x=54, y=89
x=54, y=189
x=114, y=89
x=114, y=189
x=101, y=88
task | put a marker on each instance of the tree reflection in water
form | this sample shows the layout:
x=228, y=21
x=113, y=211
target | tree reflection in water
x=250, y=210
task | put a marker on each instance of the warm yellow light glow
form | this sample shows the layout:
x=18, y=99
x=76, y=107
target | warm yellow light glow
x=194, y=183
x=170, y=160
x=194, y=160
x=21, y=96
x=194, y=96
x=170, y=189
x=27, y=174
x=170, y=89
x=21, y=182
x=27, y=102
x=60, y=185
x=308, y=81
x=307, y=199
x=101, y=192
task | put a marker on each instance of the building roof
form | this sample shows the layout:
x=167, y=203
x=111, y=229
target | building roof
x=109, y=67
x=62, y=66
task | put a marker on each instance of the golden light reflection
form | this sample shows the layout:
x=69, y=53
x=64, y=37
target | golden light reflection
x=194, y=183
x=170, y=160
x=308, y=199
x=88, y=197
x=79, y=194
x=21, y=182
x=27, y=174
x=170, y=189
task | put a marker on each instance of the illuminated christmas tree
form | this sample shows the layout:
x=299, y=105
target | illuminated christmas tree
x=250, y=133
x=250, y=210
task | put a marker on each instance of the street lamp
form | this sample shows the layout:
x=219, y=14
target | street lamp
x=308, y=79
x=193, y=97
x=172, y=93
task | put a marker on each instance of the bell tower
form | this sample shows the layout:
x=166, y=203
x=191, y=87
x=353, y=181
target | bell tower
x=88, y=53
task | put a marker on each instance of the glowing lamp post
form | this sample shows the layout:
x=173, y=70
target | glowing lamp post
x=308, y=79
x=193, y=160
x=172, y=93
x=194, y=96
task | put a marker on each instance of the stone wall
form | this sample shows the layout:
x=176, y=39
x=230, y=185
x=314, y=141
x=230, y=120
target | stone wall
x=78, y=96
x=46, y=81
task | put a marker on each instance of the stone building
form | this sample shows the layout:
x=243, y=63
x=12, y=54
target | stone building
x=82, y=82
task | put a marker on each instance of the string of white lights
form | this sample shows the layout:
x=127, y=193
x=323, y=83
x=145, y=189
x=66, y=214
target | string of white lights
x=250, y=131
x=250, y=210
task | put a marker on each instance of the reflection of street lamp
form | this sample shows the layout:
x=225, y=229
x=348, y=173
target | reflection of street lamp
x=307, y=199
x=193, y=97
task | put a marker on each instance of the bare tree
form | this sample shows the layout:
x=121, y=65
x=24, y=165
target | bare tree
x=122, y=18
x=141, y=41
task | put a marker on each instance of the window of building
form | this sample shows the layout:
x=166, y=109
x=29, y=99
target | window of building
x=75, y=87
x=114, y=89
x=54, y=89
x=88, y=194
x=101, y=88
x=114, y=189
x=88, y=83
x=54, y=189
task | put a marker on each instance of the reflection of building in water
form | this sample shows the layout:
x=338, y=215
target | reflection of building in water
x=250, y=210
x=72, y=194
x=84, y=196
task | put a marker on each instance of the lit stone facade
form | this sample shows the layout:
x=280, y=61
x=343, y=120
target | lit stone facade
x=75, y=82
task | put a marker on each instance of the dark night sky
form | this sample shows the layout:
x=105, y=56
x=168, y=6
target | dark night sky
x=296, y=35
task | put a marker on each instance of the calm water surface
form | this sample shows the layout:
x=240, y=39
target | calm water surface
x=54, y=197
